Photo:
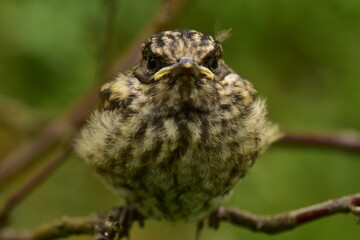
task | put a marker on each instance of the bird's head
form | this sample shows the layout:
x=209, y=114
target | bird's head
x=182, y=68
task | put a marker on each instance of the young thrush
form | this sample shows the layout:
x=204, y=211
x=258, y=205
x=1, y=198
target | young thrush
x=176, y=133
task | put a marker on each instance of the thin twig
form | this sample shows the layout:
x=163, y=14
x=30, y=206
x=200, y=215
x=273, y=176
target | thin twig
x=345, y=141
x=289, y=220
x=50, y=135
x=54, y=131
x=261, y=223
x=46, y=138
x=21, y=193
x=62, y=228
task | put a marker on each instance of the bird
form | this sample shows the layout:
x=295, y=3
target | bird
x=174, y=134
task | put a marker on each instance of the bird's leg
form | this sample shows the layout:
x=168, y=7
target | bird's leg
x=214, y=218
x=199, y=228
x=213, y=221
x=118, y=223
x=125, y=220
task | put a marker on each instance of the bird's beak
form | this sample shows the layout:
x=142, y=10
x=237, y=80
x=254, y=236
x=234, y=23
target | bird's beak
x=185, y=65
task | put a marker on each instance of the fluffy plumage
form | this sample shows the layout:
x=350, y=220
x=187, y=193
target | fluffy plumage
x=176, y=145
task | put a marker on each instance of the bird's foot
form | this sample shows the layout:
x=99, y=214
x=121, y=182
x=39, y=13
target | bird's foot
x=215, y=218
x=118, y=223
x=213, y=222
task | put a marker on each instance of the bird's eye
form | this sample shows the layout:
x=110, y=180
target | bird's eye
x=214, y=64
x=151, y=64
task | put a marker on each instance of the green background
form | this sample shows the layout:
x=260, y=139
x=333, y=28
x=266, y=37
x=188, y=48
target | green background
x=303, y=56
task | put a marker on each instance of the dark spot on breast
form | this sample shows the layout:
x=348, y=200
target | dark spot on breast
x=224, y=123
x=227, y=185
x=183, y=142
x=125, y=155
x=128, y=112
x=237, y=97
x=234, y=145
x=204, y=130
x=175, y=179
x=225, y=107
x=234, y=172
x=157, y=122
x=151, y=155
x=129, y=100
x=170, y=112
x=141, y=104
x=152, y=90
x=110, y=141
x=139, y=134
x=162, y=205
x=117, y=132
x=190, y=110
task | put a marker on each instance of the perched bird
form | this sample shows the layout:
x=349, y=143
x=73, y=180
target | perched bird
x=175, y=133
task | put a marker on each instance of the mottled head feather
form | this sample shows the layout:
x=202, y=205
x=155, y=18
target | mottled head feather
x=171, y=45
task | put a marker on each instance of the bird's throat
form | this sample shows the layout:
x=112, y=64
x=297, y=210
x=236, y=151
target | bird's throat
x=186, y=84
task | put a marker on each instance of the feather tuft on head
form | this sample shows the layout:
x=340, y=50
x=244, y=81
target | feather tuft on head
x=222, y=35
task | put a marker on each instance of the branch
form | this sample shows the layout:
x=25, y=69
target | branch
x=261, y=223
x=289, y=220
x=21, y=193
x=345, y=141
x=62, y=228
x=45, y=139
x=50, y=135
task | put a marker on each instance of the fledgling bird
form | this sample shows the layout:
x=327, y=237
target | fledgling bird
x=176, y=133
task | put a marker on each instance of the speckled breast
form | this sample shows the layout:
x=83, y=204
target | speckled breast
x=177, y=168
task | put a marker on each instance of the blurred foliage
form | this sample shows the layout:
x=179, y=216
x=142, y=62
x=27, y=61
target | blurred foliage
x=302, y=55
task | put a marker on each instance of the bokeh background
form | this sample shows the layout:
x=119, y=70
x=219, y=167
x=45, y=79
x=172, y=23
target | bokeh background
x=302, y=55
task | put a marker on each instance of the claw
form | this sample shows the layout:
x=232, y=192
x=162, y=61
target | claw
x=118, y=223
x=215, y=218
